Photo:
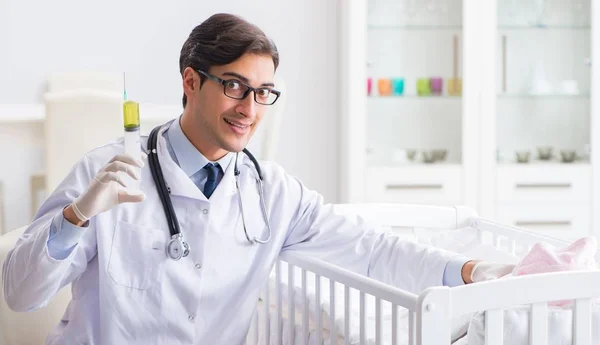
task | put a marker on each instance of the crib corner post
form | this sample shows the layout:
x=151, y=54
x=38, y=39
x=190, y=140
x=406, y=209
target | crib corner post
x=433, y=317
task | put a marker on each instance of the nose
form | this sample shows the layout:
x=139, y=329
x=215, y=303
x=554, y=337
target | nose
x=247, y=106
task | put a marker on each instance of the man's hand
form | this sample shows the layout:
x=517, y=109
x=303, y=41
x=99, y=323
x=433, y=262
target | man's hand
x=106, y=190
x=479, y=271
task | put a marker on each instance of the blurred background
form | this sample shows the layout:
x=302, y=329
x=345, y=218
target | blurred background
x=489, y=104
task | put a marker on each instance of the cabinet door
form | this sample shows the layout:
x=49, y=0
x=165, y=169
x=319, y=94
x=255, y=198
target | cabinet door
x=543, y=183
x=414, y=85
x=543, y=82
x=542, y=113
x=439, y=185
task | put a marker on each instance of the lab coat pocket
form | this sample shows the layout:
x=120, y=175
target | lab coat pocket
x=137, y=257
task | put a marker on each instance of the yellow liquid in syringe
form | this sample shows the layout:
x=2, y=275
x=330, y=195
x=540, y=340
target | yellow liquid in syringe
x=131, y=124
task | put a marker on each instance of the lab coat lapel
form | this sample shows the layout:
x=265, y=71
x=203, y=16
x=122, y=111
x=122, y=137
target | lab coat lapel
x=176, y=179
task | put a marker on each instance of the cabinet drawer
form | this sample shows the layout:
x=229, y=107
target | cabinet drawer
x=544, y=182
x=560, y=220
x=440, y=185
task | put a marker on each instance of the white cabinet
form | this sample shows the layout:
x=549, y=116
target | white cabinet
x=405, y=102
x=539, y=149
x=528, y=88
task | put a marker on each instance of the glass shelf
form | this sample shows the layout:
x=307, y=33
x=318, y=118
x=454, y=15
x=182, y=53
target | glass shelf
x=417, y=164
x=544, y=27
x=415, y=97
x=543, y=96
x=539, y=163
x=414, y=27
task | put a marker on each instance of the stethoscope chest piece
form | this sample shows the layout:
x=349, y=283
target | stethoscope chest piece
x=177, y=248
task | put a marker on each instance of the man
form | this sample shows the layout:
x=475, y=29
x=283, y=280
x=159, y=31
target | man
x=110, y=242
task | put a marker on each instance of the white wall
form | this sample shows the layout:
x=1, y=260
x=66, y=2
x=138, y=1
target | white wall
x=144, y=39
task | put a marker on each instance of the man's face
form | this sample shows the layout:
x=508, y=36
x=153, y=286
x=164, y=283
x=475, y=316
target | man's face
x=226, y=124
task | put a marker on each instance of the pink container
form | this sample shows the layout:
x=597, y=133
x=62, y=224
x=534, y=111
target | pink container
x=369, y=86
x=436, y=85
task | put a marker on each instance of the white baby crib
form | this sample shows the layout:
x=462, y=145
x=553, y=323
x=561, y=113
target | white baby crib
x=292, y=312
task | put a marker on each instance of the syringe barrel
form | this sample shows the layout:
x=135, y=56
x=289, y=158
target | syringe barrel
x=133, y=146
x=131, y=114
x=131, y=124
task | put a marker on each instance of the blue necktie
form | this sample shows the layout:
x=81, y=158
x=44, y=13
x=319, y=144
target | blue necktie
x=211, y=182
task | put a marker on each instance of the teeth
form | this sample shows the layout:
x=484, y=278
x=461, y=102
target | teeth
x=235, y=124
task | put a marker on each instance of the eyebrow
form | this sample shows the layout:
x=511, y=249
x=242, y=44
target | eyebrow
x=244, y=79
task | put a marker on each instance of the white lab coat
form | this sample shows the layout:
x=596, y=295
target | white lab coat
x=127, y=291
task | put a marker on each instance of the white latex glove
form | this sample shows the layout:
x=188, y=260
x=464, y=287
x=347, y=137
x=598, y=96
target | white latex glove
x=107, y=189
x=483, y=271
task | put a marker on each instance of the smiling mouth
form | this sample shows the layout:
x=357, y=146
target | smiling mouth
x=238, y=125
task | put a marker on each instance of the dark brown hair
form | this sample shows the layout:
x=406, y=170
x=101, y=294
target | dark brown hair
x=222, y=39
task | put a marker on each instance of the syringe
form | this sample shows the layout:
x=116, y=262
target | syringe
x=131, y=123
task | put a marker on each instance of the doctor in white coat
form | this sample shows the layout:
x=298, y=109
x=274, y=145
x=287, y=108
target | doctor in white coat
x=109, y=242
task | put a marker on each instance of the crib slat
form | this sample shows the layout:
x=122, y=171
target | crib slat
x=278, y=312
x=494, y=327
x=267, y=318
x=496, y=241
x=346, y=315
x=513, y=247
x=291, y=305
x=538, y=326
x=394, y=324
x=412, y=328
x=332, y=327
x=378, y=334
x=582, y=322
x=479, y=236
x=363, y=334
x=304, y=310
x=318, y=308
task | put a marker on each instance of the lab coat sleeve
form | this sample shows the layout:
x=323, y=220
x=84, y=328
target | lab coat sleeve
x=31, y=276
x=63, y=237
x=351, y=243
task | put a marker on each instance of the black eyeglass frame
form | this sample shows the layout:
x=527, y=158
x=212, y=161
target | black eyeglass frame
x=248, y=90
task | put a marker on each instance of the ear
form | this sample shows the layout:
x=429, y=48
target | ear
x=191, y=81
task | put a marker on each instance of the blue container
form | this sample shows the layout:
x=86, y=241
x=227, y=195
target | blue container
x=398, y=86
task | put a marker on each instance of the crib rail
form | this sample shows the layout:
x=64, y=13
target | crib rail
x=442, y=303
x=527, y=290
x=352, y=280
x=514, y=236
x=349, y=280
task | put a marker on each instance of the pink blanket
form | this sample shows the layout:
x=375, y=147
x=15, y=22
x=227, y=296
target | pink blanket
x=544, y=258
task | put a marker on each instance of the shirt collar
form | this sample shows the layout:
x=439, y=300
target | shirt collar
x=189, y=158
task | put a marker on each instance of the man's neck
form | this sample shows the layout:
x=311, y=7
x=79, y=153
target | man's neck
x=189, y=127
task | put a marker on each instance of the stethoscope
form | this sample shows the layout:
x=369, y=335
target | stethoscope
x=177, y=246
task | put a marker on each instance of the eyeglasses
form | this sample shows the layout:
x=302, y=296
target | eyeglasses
x=236, y=89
